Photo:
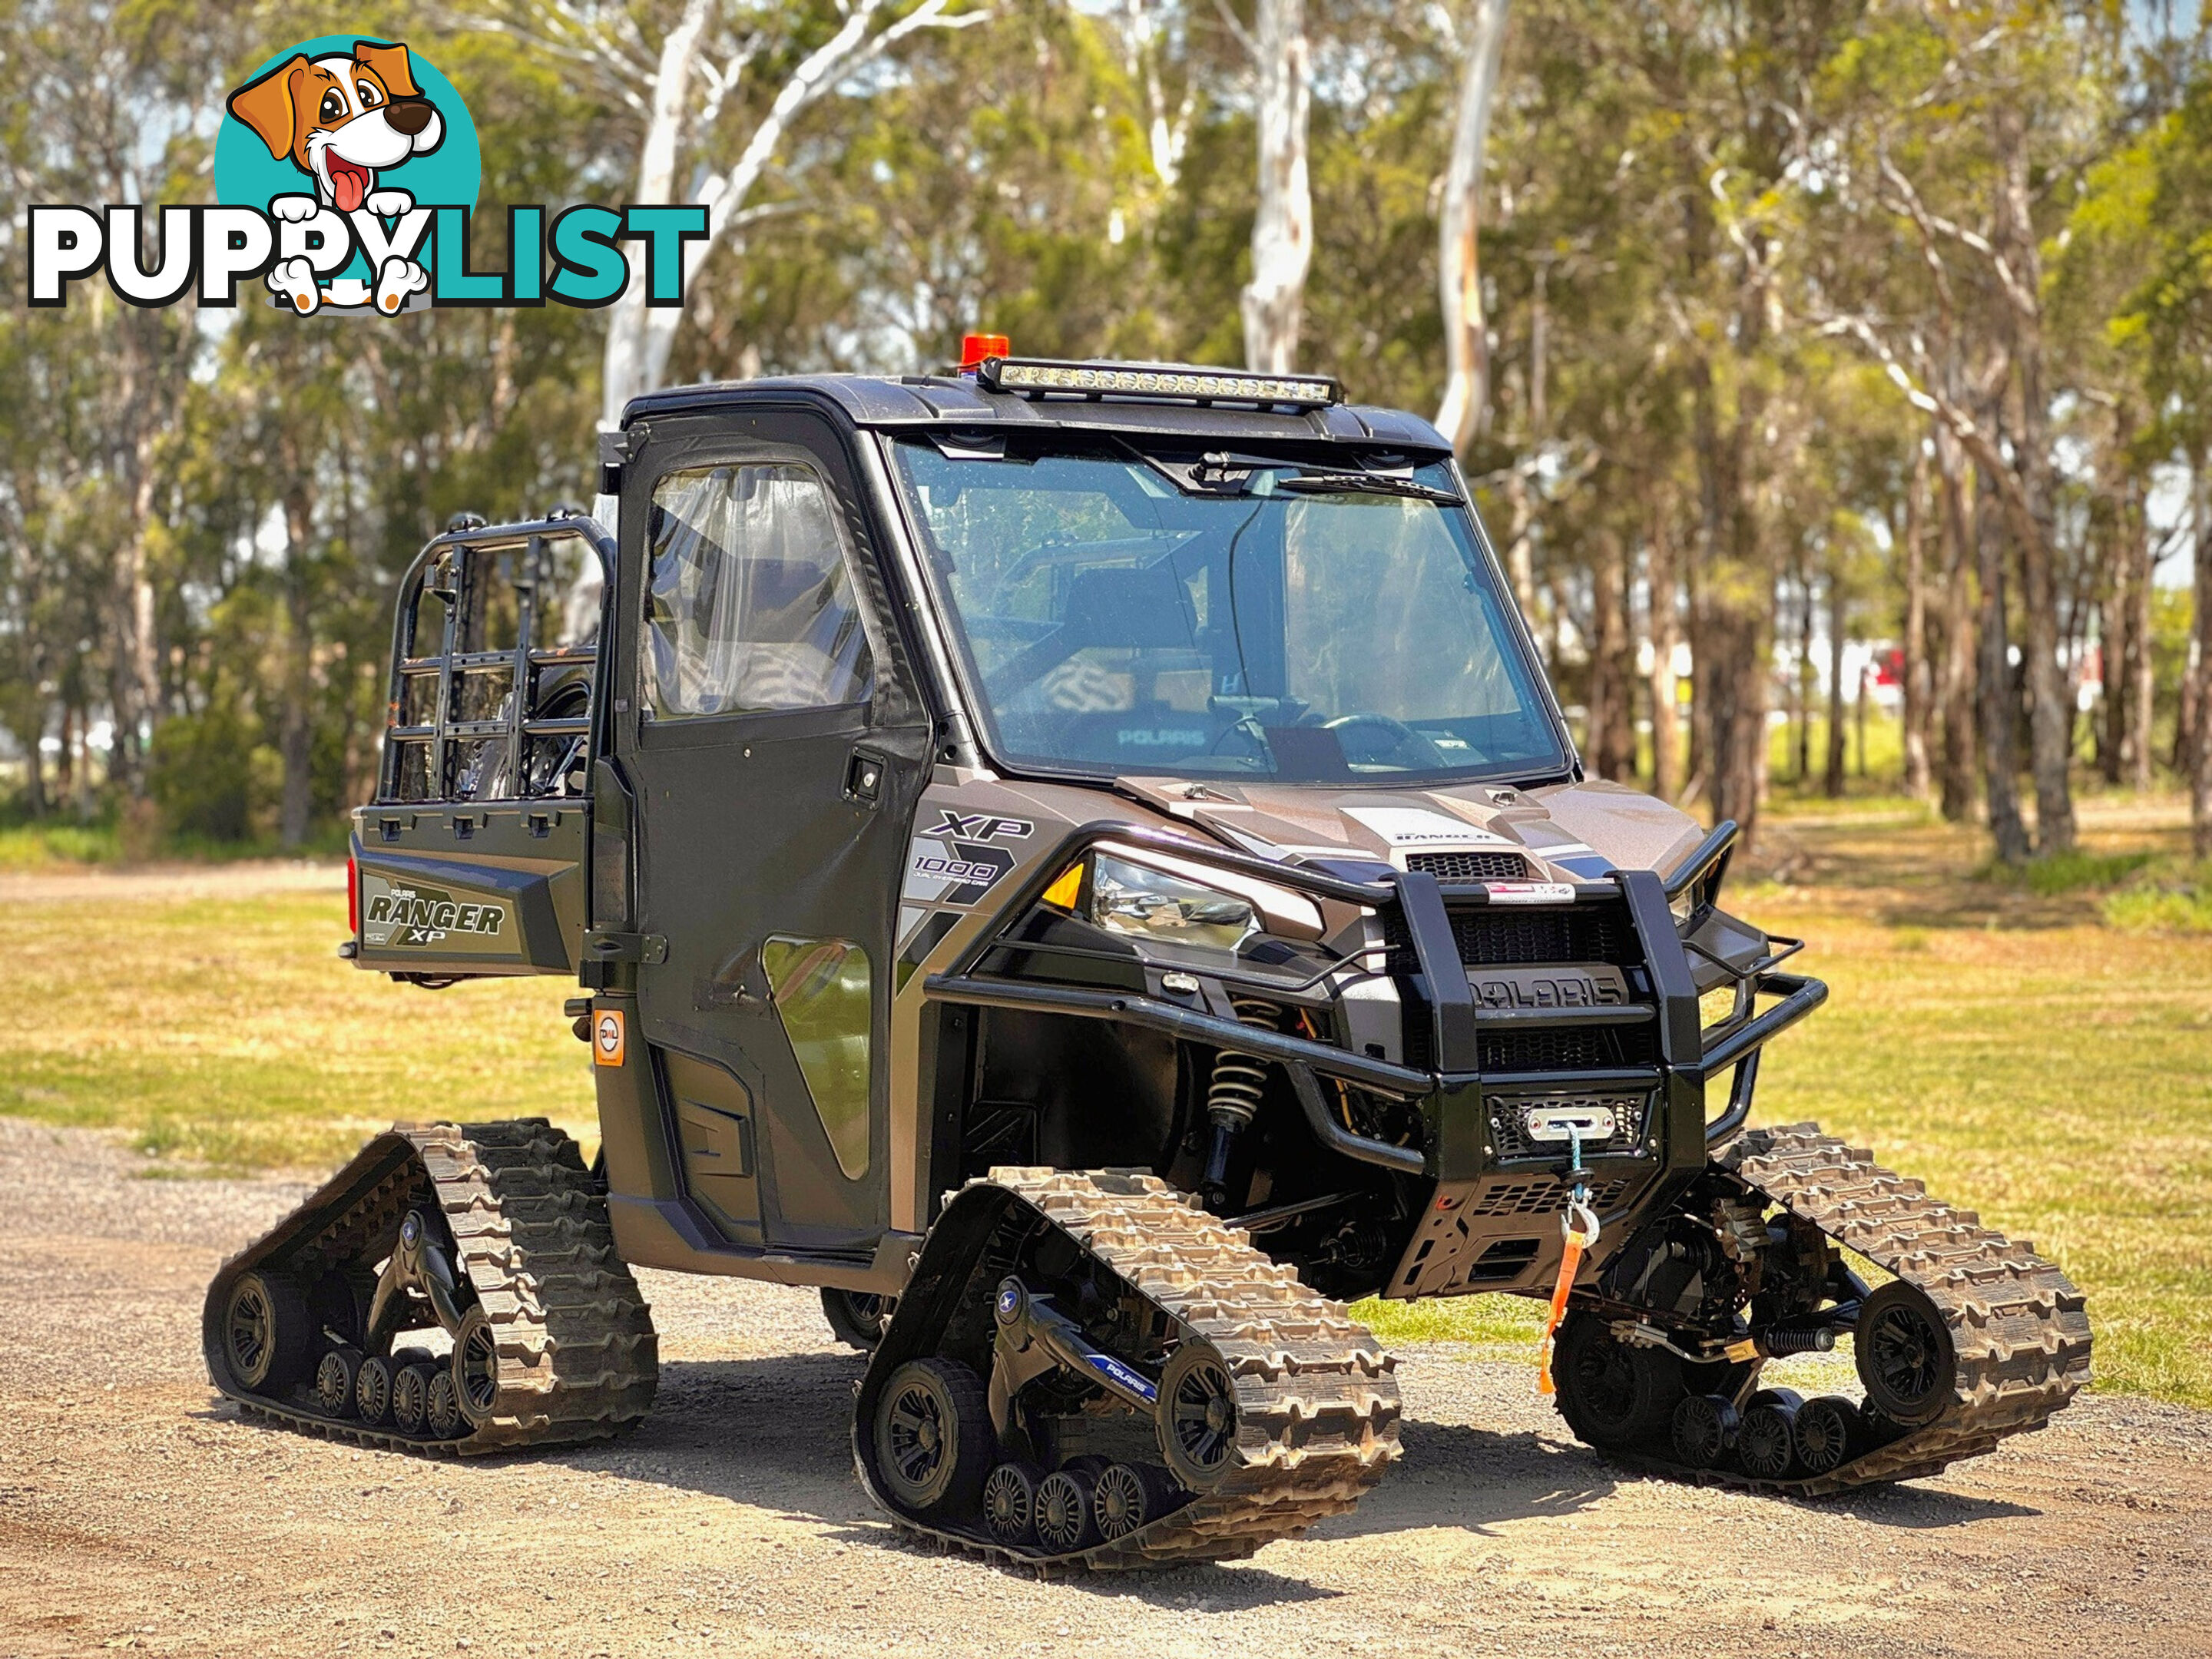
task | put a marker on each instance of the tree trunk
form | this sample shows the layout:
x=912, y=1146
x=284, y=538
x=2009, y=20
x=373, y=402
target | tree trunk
x=1612, y=707
x=628, y=364
x=296, y=727
x=2050, y=698
x=1465, y=406
x=1734, y=645
x=34, y=770
x=2138, y=672
x=1999, y=701
x=1832, y=782
x=1801, y=688
x=1282, y=223
x=1957, y=689
x=2200, y=771
x=1916, y=681
x=1661, y=583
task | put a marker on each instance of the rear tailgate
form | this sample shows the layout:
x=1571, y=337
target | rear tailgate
x=469, y=890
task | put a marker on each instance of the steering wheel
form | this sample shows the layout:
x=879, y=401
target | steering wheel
x=1407, y=748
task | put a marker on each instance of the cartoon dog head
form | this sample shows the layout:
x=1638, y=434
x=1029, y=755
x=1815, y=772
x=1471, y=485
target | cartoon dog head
x=340, y=118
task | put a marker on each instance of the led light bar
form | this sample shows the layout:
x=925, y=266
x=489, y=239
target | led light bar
x=1036, y=377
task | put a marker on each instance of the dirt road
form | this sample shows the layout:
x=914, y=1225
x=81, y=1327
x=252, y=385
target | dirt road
x=138, y=1513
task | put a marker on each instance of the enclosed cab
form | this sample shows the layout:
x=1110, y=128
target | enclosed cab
x=1062, y=764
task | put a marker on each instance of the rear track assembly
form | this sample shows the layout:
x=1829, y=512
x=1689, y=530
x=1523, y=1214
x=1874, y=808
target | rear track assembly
x=557, y=1344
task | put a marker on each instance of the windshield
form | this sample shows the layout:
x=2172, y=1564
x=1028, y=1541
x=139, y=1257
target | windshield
x=1227, y=615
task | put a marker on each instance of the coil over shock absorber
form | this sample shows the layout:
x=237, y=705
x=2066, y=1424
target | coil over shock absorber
x=1232, y=1100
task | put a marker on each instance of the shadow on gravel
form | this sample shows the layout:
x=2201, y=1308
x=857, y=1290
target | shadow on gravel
x=1917, y=1509
x=1453, y=1474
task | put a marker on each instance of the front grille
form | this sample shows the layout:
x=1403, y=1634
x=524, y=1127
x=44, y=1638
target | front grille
x=1509, y=1129
x=1499, y=936
x=1470, y=867
x=1568, y=1049
x=1542, y=1197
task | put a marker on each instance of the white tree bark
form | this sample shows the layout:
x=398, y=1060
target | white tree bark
x=1466, y=407
x=624, y=361
x=1282, y=228
x=640, y=337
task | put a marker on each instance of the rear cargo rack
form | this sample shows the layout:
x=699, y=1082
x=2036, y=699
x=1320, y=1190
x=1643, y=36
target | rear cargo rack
x=424, y=758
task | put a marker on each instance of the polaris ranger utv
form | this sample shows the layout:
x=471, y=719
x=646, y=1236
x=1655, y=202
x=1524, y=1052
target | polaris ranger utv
x=1080, y=862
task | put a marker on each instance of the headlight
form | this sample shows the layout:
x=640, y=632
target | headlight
x=1129, y=898
x=1152, y=894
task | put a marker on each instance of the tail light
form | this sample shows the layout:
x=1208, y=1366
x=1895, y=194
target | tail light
x=353, y=897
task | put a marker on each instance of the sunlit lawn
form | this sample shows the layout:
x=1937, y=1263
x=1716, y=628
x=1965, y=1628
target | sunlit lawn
x=2024, y=1057
x=225, y=1030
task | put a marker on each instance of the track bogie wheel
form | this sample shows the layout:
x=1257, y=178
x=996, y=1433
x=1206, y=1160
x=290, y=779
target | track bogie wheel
x=1127, y=1497
x=1905, y=1359
x=1612, y=1394
x=1197, y=1419
x=933, y=1440
x=269, y=1334
x=1826, y=1434
x=1066, y=1521
x=410, y=1398
x=335, y=1380
x=1010, y=1501
x=442, y=1412
x=475, y=1367
x=372, y=1390
x=858, y=1317
x=1704, y=1429
x=1765, y=1446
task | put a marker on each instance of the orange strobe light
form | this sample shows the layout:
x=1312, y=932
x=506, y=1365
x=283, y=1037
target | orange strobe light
x=975, y=347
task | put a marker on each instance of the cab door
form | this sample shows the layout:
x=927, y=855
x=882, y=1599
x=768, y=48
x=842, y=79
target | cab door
x=777, y=748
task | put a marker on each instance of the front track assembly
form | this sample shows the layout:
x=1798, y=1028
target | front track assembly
x=1088, y=1370
x=493, y=1232
x=1977, y=1339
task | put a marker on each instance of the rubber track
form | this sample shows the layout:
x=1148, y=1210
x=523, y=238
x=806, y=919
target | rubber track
x=2017, y=1324
x=578, y=1358
x=1317, y=1396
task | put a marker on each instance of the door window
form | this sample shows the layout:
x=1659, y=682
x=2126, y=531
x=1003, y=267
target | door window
x=751, y=606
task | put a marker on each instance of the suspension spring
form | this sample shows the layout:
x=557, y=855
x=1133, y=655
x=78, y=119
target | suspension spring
x=1232, y=1097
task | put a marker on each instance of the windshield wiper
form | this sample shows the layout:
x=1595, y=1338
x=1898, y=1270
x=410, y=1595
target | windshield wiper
x=1364, y=483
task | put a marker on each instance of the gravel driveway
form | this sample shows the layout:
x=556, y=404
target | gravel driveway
x=136, y=1512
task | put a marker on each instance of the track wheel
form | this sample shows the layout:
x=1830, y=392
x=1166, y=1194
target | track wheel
x=335, y=1379
x=1197, y=1421
x=1704, y=1430
x=858, y=1317
x=1905, y=1359
x=1767, y=1444
x=1612, y=1394
x=372, y=1390
x=1010, y=1494
x=1064, y=1519
x=476, y=1367
x=933, y=1438
x=443, y=1411
x=410, y=1398
x=268, y=1333
x=1127, y=1495
x=1827, y=1431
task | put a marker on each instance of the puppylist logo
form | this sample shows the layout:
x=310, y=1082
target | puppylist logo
x=346, y=172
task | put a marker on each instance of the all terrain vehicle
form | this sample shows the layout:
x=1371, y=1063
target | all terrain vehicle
x=1080, y=861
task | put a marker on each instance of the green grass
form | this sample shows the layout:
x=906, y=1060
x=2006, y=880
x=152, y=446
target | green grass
x=41, y=846
x=2026, y=1056
x=224, y=1032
